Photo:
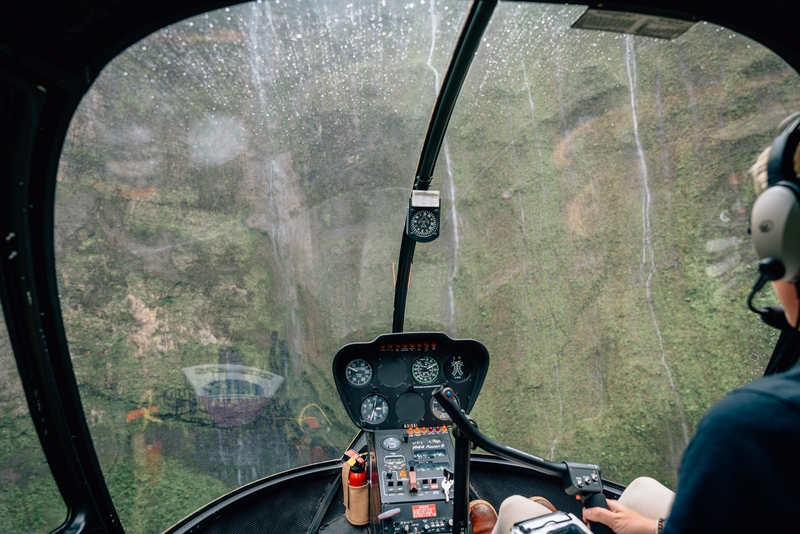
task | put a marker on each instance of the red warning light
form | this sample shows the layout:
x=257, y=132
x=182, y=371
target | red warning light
x=405, y=345
x=433, y=345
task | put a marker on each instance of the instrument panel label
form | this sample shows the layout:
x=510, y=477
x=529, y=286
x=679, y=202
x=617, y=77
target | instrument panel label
x=418, y=511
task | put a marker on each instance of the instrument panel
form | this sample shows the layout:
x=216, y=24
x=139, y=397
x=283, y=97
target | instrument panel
x=388, y=383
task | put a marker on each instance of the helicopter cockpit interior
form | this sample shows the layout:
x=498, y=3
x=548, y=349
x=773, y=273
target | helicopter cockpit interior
x=387, y=388
x=240, y=239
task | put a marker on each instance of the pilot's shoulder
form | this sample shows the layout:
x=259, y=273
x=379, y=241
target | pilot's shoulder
x=761, y=402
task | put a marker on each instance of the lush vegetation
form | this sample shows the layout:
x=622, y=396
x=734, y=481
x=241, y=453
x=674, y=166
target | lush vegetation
x=233, y=188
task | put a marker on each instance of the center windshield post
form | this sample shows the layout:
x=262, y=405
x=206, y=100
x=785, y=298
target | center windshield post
x=477, y=20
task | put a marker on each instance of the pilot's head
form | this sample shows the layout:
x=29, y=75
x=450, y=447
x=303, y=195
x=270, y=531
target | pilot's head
x=775, y=217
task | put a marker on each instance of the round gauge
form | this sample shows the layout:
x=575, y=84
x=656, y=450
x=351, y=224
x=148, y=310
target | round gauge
x=457, y=368
x=392, y=443
x=425, y=370
x=438, y=411
x=358, y=373
x=374, y=409
x=423, y=223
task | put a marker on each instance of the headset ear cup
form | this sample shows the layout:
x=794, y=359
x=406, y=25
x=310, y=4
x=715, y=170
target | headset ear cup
x=775, y=226
x=780, y=166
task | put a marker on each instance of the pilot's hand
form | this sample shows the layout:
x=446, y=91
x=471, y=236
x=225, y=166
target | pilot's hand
x=620, y=519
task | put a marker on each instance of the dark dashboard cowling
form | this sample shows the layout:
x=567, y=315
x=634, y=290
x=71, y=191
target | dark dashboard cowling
x=388, y=383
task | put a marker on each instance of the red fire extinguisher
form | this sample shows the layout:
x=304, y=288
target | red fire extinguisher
x=358, y=468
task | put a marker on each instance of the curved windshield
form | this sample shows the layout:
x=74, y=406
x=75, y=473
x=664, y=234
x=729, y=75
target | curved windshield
x=229, y=206
x=596, y=232
x=29, y=498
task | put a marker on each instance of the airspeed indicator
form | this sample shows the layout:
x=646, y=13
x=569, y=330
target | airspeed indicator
x=358, y=372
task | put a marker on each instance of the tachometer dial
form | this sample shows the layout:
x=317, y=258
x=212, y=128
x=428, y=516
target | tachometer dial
x=374, y=409
x=358, y=373
x=425, y=370
x=437, y=410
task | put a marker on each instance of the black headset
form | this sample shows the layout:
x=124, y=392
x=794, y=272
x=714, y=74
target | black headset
x=775, y=229
x=775, y=217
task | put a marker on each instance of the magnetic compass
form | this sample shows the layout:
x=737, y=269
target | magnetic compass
x=423, y=224
x=422, y=221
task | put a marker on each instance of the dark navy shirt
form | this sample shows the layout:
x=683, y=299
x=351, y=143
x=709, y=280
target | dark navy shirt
x=741, y=472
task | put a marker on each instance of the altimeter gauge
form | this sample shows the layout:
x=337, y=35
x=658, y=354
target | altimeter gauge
x=374, y=409
x=358, y=372
x=437, y=410
x=425, y=370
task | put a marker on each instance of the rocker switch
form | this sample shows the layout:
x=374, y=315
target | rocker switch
x=412, y=480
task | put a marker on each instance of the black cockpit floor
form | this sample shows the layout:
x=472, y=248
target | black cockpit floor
x=290, y=506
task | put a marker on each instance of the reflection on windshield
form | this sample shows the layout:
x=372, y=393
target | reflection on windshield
x=229, y=204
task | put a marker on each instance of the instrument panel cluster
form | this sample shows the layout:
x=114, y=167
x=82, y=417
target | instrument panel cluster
x=388, y=383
